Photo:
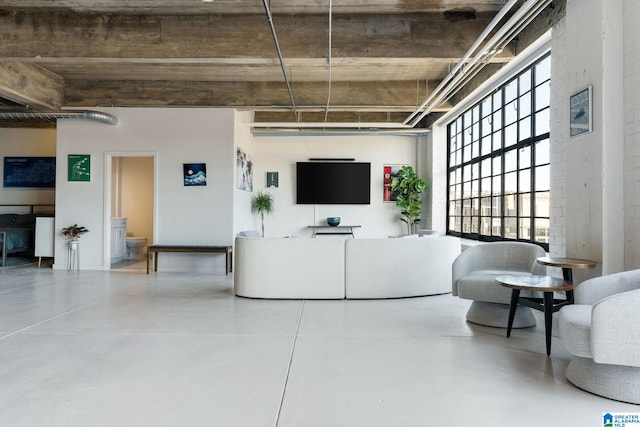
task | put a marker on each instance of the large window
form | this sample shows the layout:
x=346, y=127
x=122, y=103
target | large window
x=499, y=162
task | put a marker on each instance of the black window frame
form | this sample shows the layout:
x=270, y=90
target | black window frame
x=477, y=213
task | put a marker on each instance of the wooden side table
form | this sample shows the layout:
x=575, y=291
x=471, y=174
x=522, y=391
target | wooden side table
x=567, y=264
x=545, y=284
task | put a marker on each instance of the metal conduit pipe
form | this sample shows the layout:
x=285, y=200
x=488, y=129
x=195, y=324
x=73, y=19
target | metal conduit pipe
x=465, y=70
x=275, y=42
x=494, y=46
x=98, y=116
x=494, y=22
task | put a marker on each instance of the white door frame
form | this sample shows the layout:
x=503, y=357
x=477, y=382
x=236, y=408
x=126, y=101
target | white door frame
x=108, y=158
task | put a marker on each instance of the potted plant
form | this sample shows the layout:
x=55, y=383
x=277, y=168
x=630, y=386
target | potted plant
x=73, y=232
x=408, y=188
x=262, y=203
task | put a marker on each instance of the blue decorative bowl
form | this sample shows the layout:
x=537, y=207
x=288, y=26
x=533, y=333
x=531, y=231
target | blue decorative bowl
x=333, y=221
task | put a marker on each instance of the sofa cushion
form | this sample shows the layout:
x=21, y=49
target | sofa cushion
x=575, y=329
x=289, y=268
x=392, y=268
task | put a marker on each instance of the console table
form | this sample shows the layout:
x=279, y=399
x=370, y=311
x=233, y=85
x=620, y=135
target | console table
x=333, y=229
x=155, y=249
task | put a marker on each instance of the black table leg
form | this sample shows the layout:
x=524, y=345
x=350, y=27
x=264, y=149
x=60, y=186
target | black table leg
x=515, y=294
x=548, y=318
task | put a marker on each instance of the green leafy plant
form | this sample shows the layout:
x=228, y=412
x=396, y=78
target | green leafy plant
x=262, y=203
x=408, y=188
x=73, y=232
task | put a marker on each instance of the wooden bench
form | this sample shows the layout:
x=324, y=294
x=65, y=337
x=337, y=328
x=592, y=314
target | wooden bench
x=155, y=249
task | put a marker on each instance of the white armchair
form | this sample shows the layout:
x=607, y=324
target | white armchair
x=474, y=278
x=602, y=331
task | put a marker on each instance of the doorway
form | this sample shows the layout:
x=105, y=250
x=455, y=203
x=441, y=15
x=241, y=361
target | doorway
x=132, y=206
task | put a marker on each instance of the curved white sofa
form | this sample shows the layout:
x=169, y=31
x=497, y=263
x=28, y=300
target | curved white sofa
x=301, y=268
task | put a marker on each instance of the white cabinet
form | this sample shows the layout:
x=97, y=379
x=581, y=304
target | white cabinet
x=118, y=239
x=45, y=236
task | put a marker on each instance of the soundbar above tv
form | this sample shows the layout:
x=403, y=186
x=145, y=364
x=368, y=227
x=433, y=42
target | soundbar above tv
x=333, y=183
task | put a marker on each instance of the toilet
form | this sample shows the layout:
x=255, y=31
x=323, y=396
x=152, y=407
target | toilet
x=135, y=247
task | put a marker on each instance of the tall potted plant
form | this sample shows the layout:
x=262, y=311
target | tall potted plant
x=262, y=203
x=408, y=188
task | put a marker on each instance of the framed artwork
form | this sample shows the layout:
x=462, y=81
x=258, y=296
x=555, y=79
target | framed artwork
x=272, y=179
x=30, y=172
x=244, y=171
x=580, y=111
x=195, y=174
x=79, y=167
x=390, y=171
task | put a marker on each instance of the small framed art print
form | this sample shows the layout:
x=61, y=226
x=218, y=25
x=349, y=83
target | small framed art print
x=580, y=111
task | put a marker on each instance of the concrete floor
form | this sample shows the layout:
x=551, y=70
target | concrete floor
x=123, y=348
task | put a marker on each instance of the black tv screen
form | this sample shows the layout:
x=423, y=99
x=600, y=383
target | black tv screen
x=333, y=183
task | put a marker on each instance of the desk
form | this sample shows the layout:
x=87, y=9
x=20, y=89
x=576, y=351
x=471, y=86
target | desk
x=155, y=249
x=545, y=284
x=333, y=229
x=567, y=264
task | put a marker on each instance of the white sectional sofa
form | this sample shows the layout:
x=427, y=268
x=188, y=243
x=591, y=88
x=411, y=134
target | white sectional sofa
x=300, y=268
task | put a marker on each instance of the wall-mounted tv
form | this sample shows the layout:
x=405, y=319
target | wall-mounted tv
x=333, y=183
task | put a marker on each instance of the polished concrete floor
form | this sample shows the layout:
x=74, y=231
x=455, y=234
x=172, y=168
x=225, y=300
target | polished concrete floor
x=123, y=348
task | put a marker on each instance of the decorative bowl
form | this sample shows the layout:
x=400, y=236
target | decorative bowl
x=333, y=221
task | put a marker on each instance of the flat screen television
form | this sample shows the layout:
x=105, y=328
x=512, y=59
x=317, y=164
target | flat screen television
x=333, y=183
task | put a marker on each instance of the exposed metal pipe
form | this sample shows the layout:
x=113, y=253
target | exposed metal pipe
x=464, y=71
x=326, y=111
x=340, y=132
x=98, y=116
x=275, y=41
x=485, y=33
x=320, y=125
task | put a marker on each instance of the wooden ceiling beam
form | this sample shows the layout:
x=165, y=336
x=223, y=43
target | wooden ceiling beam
x=30, y=85
x=376, y=95
x=180, y=7
x=51, y=35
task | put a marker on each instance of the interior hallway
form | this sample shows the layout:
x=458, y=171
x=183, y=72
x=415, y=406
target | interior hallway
x=123, y=348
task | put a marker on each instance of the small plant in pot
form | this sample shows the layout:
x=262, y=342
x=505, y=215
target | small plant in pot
x=262, y=203
x=408, y=188
x=73, y=232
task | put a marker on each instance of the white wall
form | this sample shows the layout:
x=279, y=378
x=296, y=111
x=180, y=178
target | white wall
x=243, y=139
x=18, y=142
x=587, y=171
x=632, y=133
x=280, y=154
x=184, y=215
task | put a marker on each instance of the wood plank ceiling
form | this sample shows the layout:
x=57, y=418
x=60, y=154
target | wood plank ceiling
x=385, y=56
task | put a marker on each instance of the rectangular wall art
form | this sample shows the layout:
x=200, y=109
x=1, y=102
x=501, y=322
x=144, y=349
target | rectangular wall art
x=244, y=171
x=195, y=174
x=30, y=172
x=390, y=171
x=79, y=167
x=581, y=120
